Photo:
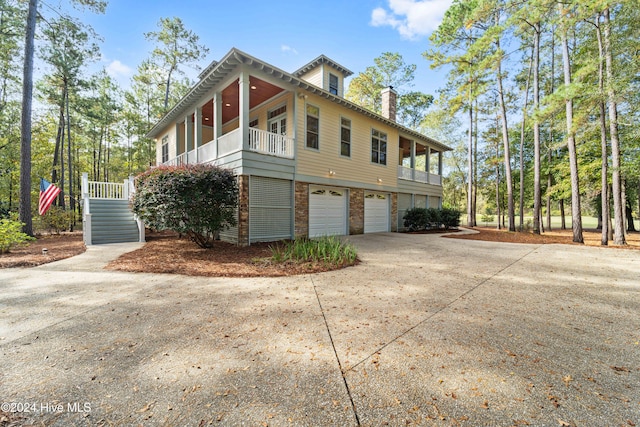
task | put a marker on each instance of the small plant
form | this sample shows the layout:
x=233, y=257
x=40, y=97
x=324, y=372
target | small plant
x=11, y=235
x=55, y=220
x=486, y=218
x=329, y=250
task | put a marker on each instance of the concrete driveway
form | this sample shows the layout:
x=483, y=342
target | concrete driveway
x=426, y=331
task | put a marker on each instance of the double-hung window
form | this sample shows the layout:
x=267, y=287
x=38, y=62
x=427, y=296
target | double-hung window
x=165, y=149
x=313, y=127
x=333, y=84
x=345, y=137
x=378, y=147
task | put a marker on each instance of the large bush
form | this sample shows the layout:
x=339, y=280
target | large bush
x=196, y=200
x=417, y=219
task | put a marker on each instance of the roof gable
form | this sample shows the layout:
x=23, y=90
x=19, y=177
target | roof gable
x=319, y=61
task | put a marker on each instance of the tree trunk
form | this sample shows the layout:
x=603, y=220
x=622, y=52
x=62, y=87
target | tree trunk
x=505, y=141
x=25, y=121
x=551, y=124
x=470, y=165
x=61, y=184
x=618, y=201
x=604, y=194
x=576, y=212
x=474, y=203
x=563, y=220
x=522, y=132
x=72, y=202
x=537, y=192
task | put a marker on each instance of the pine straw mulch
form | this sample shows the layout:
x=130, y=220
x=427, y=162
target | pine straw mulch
x=59, y=246
x=167, y=253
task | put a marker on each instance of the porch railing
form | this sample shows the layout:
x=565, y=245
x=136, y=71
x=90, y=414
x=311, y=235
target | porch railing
x=260, y=141
x=410, y=174
x=273, y=144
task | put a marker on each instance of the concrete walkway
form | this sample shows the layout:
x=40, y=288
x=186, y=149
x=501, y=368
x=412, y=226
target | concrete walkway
x=426, y=331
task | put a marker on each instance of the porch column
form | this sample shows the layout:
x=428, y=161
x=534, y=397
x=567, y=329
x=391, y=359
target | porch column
x=244, y=108
x=197, y=118
x=412, y=163
x=217, y=115
x=428, y=164
x=188, y=135
x=440, y=164
x=178, y=139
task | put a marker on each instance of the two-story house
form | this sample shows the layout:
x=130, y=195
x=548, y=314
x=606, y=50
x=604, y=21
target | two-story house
x=309, y=162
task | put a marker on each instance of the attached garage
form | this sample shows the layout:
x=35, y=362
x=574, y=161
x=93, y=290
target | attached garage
x=327, y=211
x=376, y=212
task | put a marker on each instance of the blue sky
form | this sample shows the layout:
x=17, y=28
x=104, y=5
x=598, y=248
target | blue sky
x=286, y=34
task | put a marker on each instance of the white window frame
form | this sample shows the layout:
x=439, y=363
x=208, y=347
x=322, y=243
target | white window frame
x=164, y=150
x=306, y=125
x=380, y=137
x=337, y=87
x=350, y=127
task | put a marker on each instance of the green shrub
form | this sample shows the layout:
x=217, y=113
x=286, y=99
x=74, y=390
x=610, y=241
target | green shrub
x=329, y=250
x=416, y=219
x=196, y=200
x=55, y=220
x=11, y=235
x=450, y=218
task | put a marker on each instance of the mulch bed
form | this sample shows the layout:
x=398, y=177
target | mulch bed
x=59, y=246
x=168, y=253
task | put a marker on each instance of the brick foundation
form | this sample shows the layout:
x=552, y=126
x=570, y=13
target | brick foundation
x=356, y=211
x=243, y=210
x=301, y=215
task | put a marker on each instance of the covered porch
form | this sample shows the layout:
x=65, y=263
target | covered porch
x=236, y=118
x=419, y=163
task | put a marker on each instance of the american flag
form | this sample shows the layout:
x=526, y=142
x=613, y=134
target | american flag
x=48, y=193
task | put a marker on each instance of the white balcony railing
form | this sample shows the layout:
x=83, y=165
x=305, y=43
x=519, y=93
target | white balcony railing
x=405, y=173
x=418, y=176
x=260, y=141
x=269, y=143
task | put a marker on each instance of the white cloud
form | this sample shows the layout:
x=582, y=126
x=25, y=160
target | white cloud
x=413, y=19
x=288, y=49
x=117, y=69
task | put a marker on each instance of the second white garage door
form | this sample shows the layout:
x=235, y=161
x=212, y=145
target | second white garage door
x=327, y=211
x=376, y=212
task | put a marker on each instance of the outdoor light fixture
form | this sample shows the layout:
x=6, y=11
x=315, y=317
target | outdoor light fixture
x=253, y=87
x=227, y=105
x=44, y=251
x=379, y=180
x=332, y=172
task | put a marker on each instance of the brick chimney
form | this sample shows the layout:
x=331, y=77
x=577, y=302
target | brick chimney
x=389, y=103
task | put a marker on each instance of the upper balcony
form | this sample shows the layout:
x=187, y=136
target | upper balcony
x=260, y=141
x=419, y=163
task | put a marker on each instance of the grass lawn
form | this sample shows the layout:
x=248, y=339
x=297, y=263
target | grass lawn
x=588, y=222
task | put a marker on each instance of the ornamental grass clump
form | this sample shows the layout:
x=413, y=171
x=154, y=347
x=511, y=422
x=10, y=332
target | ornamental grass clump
x=328, y=250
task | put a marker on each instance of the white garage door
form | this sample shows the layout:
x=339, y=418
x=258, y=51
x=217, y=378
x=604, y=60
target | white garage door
x=376, y=212
x=327, y=211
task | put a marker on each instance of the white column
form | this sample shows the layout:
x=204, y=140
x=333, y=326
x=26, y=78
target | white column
x=243, y=118
x=197, y=138
x=177, y=141
x=428, y=164
x=217, y=115
x=188, y=135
